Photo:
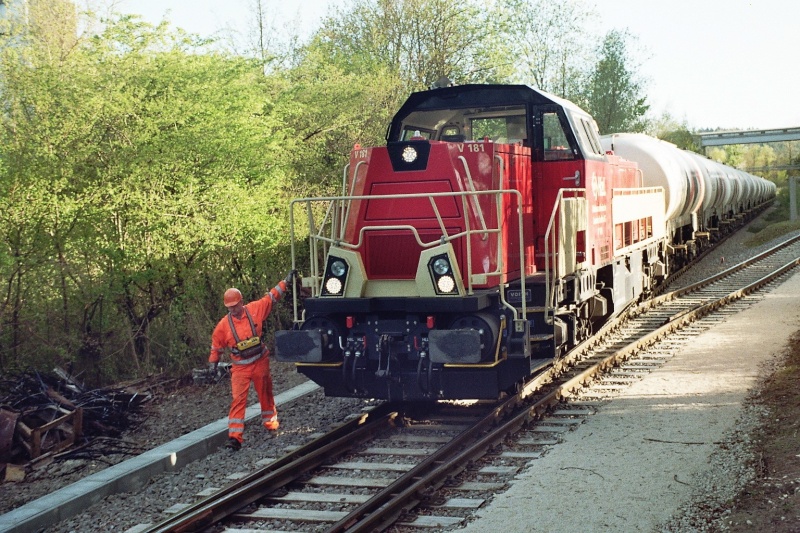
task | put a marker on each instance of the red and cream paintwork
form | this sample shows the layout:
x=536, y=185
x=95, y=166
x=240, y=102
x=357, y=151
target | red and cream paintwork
x=494, y=231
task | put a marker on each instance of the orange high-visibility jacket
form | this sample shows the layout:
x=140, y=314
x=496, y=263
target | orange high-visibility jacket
x=259, y=310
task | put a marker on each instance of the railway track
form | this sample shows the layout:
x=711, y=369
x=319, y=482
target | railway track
x=409, y=468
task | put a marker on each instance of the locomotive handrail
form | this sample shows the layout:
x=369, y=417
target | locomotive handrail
x=317, y=233
x=522, y=271
x=345, y=174
x=476, y=208
x=446, y=238
x=346, y=212
x=549, y=284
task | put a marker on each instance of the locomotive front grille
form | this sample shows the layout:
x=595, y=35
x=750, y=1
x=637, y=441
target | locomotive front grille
x=395, y=255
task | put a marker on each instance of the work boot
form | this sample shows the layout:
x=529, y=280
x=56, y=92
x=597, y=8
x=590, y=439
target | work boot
x=233, y=444
x=272, y=426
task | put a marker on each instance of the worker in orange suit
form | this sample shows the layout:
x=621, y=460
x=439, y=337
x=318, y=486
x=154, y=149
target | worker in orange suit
x=239, y=332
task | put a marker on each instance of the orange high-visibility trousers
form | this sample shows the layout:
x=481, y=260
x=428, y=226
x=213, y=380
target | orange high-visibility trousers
x=241, y=377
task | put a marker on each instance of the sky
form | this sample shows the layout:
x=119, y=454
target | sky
x=728, y=64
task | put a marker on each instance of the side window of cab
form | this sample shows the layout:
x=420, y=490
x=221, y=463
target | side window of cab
x=556, y=142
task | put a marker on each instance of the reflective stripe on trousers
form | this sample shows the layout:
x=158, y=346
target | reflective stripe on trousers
x=248, y=360
x=241, y=377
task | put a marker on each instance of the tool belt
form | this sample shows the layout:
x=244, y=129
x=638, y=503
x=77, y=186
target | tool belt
x=250, y=349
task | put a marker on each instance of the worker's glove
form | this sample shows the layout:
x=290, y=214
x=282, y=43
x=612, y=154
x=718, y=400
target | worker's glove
x=290, y=277
x=212, y=368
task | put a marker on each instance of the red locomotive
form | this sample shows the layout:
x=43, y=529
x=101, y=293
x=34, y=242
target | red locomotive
x=494, y=231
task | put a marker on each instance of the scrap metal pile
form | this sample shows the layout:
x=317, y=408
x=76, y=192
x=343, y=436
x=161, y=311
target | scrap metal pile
x=46, y=415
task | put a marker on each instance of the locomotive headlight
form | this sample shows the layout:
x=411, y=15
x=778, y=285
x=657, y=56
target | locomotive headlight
x=441, y=266
x=338, y=268
x=446, y=284
x=333, y=286
x=409, y=154
x=442, y=275
x=335, y=276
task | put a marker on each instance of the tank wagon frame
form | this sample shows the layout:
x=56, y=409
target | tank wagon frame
x=494, y=231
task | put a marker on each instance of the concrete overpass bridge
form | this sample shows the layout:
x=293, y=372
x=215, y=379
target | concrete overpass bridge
x=722, y=138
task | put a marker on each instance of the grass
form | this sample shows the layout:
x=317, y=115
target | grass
x=774, y=223
x=765, y=232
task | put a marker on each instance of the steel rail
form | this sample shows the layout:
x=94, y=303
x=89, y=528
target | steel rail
x=277, y=474
x=675, y=323
x=402, y=495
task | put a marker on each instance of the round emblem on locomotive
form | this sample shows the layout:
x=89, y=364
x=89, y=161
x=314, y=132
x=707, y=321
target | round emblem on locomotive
x=409, y=154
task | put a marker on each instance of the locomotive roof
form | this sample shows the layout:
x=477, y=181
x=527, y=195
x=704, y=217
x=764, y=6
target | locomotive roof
x=475, y=95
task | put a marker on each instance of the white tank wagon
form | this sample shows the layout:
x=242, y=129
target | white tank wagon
x=702, y=197
x=662, y=165
x=733, y=192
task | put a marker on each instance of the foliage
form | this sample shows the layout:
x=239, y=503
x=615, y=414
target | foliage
x=549, y=43
x=416, y=41
x=755, y=158
x=669, y=129
x=330, y=110
x=772, y=231
x=139, y=170
x=614, y=94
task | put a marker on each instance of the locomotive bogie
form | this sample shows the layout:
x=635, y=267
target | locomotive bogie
x=495, y=231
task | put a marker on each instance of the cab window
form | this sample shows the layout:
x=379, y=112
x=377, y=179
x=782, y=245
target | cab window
x=556, y=144
x=411, y=132
x=510, y=129
x=587, y=138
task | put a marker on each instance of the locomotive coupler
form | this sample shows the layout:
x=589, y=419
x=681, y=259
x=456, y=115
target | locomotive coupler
x=424, y=367
x=384, y=352
x=353, y=359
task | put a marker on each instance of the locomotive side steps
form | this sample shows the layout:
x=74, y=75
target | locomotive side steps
x=134, y=473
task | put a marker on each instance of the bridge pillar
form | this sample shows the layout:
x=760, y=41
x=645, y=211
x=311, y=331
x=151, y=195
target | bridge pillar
x=793, y=198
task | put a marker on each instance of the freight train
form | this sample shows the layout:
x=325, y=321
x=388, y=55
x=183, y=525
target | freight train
x=493, y=232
